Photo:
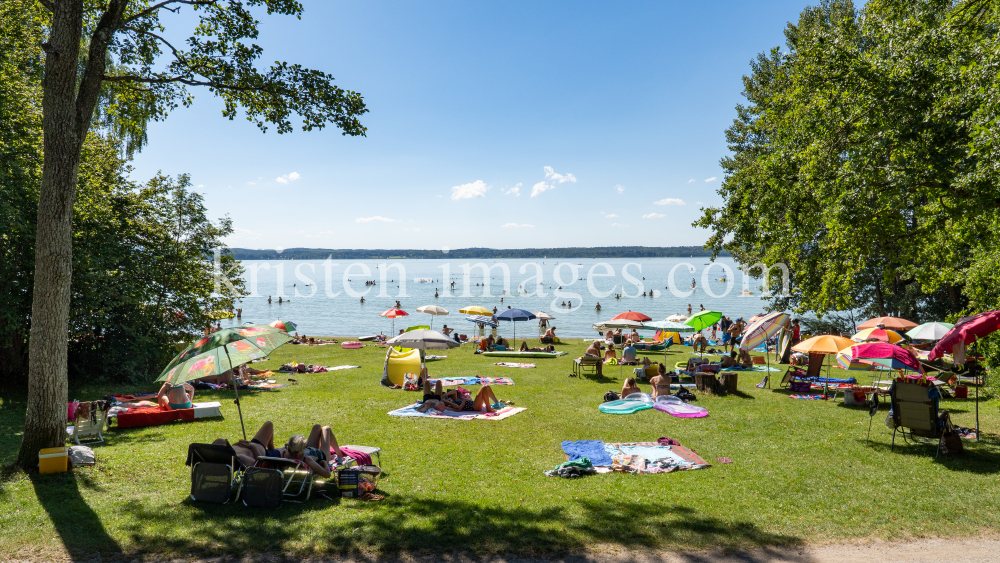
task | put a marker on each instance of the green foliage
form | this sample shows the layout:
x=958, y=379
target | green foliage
x=865, y=159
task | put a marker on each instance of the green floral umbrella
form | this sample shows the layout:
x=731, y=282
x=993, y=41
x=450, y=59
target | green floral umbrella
x=220, y=352
x=703, y=319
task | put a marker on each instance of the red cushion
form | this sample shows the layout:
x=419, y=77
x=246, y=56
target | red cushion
x=152, y=416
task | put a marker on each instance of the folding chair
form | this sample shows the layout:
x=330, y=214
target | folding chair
x=216, y=473
x=915, y=413
x=297, y=479
x=584, y=365
x=88, y=428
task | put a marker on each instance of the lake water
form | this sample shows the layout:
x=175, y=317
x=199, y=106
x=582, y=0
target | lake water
x=325, y=296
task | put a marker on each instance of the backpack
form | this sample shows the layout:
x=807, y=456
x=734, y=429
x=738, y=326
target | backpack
x=611, y=396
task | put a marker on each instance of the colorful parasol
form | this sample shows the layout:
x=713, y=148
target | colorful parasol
x=895, y=323
x=703, y=319
x=888, y=355
x=880, y=334
x=286, y=326
x=632, y=316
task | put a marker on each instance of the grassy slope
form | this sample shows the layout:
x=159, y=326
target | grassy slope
x=801, y=472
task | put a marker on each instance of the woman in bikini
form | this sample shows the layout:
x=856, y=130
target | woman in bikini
x=452, y=400
x=609, y=353
x=314, y=451
x=630, y=387
x=262, y=444
x=175, y=397
x=660, y=382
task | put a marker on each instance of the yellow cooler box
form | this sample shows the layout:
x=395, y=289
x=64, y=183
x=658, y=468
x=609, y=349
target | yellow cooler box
x=53, y=460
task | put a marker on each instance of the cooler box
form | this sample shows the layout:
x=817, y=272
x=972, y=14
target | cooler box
x=53, y=460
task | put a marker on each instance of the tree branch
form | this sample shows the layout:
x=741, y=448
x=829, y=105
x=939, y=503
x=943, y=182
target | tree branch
x=47, y=4
x=90, y=85
x=165, y=3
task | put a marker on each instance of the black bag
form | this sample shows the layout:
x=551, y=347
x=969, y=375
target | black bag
x=611, y=396
x=685, y=395
x=951, y=443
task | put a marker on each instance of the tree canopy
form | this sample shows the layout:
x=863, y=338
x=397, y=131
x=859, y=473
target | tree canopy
x=865, y=159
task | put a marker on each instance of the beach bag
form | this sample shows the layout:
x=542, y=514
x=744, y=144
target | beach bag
x=611, y=396
x=799, y=387
x=81, y=456
x=961, y=392
x=951, y=443
x=890, y=423
x=685, y=395
x=410, y=382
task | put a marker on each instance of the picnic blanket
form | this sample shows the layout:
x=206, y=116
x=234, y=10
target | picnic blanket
x=652, y=457
x=152, y=416
x=754, y=368
x=475, y=380
x=809, y=397
x=592, y=449
x=513, y=365
x=411, y=411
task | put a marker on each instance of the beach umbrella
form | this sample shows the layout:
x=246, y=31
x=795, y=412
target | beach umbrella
x=880, y=334
x=847, y=361
x=482, y=320
x=220, y=352
x=475, y=310
x=930, y=331
x=760, y=330
x=667, y=325
x=286, y=326
x=432, y=310
x=620, y=323
x=632, y=316
x=392, y=314
x=826, y=344
x=514, y=315
x=703, y=319
x=888, y=355
x=423, y=339
x=894, y=323
x=541, y=315
x=677, y=318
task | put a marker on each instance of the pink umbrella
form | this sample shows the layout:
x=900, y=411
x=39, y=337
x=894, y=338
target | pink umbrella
x=888, y=355
x=967, y=330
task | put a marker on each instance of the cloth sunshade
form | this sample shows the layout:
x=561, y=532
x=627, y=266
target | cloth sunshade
x=763, y=328
x=632, y=316
x=423, y=339
x=703, y=319
x=967, y=330
x=475, y=310
x=880, y=334
x=823, y=344
x=221, y=350
x=286, y=326
x=895, y=323
x=930, y=331
x=888, y=355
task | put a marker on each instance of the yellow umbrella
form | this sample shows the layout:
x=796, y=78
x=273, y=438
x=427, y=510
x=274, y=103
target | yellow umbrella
x=476, y=310
x=823, y=344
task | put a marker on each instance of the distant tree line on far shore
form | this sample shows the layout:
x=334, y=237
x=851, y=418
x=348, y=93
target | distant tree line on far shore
x=475, y=253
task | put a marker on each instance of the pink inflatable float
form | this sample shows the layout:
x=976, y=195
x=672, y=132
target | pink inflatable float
x=350, y=344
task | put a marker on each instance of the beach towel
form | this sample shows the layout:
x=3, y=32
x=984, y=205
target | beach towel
x=513, y=365
x=593, y=449
x=476, y=380
x=152, y=416
x=652, y=457
x=809, y=397
x=411, y=411
x=361, y=458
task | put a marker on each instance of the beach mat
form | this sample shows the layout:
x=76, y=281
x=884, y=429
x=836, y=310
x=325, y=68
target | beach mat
x=152, y=416
x=477, y=380
x=809, y=397
x=513, y=365
x=592, y=449
x=412, y=412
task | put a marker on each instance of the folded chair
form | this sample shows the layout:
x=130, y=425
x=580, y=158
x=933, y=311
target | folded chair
x=216, y=473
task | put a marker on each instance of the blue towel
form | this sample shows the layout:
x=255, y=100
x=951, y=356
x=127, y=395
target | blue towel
x=850, y=380
x=594, y=449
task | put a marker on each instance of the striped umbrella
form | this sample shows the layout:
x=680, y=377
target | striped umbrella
x=286, y=326
x=880, y=334
x=847, y=361
x=482, y=320
x=763, y=328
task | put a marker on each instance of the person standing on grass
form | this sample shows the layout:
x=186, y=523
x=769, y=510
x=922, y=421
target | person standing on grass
x=796, y=331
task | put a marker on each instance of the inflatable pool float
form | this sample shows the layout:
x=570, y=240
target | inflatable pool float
x=633, y=403
x=351, y=344
x=516, y=354
x=676, y=407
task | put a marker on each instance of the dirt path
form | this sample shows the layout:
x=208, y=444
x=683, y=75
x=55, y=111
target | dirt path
x=968, y=550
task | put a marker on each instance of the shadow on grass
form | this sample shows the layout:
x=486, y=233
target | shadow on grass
x=980, y=458
x=418, y=525
x=78, y=526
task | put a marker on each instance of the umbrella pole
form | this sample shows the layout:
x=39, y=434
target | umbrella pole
x=236, y=388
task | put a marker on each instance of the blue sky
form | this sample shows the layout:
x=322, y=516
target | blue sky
x=508, y=125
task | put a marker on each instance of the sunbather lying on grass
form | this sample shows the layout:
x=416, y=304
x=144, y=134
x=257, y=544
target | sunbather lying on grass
x=175, y=397
x=262, y=444
x=524, y=348
x=314, y=451
x=453, y=400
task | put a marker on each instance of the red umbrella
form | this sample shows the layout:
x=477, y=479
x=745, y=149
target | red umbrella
x=392, y=314
x=632, y=316
x=894, y=323
x=967, y=330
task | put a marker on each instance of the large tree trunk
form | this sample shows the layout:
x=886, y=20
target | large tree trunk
x=45, y=420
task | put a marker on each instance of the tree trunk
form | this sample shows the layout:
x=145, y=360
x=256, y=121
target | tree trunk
x=45, y=419
x=879, y=299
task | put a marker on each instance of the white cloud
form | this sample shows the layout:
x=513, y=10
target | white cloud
x=551, y=180
x=620, y=188
x=653, y=215
x=516, y=226
x=669, y=201
x=691, y=180
x=375, y=218
x=469, y=191
x=710, y=179
x=608, y=216
x=201, y=185
x=291, y=177
x=618, y=225
x=516, y=190
x=697, y=203
x=439, y=196
x=251, y=183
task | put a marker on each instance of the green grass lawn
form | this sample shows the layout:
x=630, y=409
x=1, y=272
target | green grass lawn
x=801, y=472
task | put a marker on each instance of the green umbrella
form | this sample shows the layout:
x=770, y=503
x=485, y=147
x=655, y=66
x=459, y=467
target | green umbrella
x=220, y=352
x=703, y=319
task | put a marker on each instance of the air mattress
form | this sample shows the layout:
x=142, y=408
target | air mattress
x=628, y=405
x=350, y=345
x=676, y=407
x=516, y=354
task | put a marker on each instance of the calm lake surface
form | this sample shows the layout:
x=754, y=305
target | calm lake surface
x=325, y=296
